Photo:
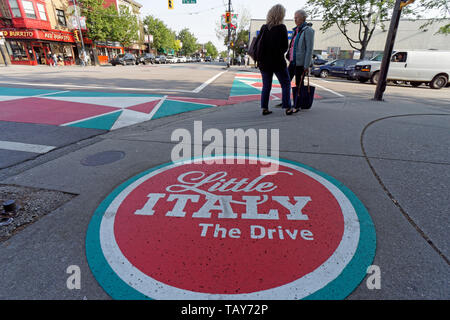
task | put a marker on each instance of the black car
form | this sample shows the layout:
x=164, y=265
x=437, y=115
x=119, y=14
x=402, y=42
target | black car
x=208, y=59
x=124, y=59
x=344, y=68
x=319, y=60
x=146, y=58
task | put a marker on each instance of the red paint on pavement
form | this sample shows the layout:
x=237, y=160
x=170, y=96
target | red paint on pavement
x=47, y=111
x=172, y=250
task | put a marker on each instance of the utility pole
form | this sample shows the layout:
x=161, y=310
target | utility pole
x=79, y=28
x=2, y=41
x=382, y=79
x=229, y=33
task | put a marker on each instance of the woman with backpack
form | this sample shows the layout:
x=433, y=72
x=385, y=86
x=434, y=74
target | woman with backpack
x=272, y=48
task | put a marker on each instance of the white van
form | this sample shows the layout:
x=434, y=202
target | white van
x=431, y=67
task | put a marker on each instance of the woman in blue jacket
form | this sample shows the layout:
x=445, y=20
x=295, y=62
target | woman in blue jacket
x=303, y=51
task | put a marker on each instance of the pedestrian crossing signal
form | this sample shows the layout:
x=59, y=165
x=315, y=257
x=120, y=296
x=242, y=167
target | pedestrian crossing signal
x=228, y=17
x=170, y=4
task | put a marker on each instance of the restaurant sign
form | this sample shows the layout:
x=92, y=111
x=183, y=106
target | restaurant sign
x=38, y=35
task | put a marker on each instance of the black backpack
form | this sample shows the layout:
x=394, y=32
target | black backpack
x=255, y=48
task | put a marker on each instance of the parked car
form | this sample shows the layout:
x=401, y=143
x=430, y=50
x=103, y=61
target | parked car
x=123, y=59
x=146, y=58
x=344, y=68
x=221, y=59
x=318, y=60
x=431, y=67
x=161, y=59
x=208, y=59
x=172, y=59
x=182, y=59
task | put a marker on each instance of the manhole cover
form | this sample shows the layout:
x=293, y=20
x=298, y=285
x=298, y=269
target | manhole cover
x=102, y=158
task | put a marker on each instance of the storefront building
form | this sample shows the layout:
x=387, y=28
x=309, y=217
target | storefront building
x=35, y=30
x=34, y=47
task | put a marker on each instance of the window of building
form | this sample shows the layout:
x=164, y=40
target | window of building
x=15, y=9
x=29, y=9
x=41, y=10
x=61, y=17
x=17, y=50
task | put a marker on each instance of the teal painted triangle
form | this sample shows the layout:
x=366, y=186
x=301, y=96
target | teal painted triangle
x=101, y=122
x=170, y=107
x=240, y=88
x=23, y=92
x=101, y=94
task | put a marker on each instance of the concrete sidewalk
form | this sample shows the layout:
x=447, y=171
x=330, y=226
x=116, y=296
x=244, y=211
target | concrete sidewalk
x=393, y=156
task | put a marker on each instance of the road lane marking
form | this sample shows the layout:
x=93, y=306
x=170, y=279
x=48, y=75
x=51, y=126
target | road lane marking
x=93, y=87
x=204, y=85
x=156, y=108
x=25, y=147
x=329, y=90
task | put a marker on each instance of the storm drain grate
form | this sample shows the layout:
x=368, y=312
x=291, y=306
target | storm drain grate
x=102, y=158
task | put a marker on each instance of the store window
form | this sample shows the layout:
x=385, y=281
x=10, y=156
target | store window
x=41, y=10
x=29, y=9
x=15, y=9
x=61, y=17
x=16, y=50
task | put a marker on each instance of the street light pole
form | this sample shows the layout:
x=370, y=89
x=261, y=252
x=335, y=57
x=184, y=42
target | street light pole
x=229, y=34
x=79, y=27
x=381, y=84
x=2, y=40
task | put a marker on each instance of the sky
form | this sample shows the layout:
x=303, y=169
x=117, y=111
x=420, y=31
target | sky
x=201, y=18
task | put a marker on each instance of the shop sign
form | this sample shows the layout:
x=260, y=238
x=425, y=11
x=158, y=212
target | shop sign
x=39, y=34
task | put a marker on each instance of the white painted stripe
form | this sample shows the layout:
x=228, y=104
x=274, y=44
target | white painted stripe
x=92, y=87
x=89, y=118
x=156, y=108
x=204, y=85
x=329, y=90
x=48, y=94
x=25, y=147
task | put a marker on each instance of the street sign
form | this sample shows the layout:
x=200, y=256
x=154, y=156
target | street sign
x=189, y=1
x=191, y=230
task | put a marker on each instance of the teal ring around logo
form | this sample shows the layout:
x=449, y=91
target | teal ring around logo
x=337, y=289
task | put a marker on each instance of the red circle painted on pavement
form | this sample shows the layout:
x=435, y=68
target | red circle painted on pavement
x=173, y=251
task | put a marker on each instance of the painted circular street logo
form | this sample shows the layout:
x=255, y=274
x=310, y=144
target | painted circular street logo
x=226, y=231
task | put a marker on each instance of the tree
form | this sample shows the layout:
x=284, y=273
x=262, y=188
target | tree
x=442, y=6
x=211, y=49
x=189, y=42
x=367, y=14
x=124, y=26
x=163, y=37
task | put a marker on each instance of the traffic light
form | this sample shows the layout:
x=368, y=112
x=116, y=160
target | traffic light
x=170, y=4
x=228, y=17
x=76, y=36
x=404, y=3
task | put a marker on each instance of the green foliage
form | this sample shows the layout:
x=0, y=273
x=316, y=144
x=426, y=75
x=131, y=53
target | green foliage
x=443, y=9
x=106, y=24
x=163, y=37
x=367, y=14
x=211, y=49
x=189, y=42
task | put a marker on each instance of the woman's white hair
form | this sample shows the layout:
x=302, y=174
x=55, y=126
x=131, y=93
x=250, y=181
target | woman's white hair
x=302, y=13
